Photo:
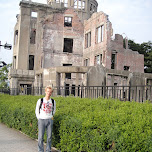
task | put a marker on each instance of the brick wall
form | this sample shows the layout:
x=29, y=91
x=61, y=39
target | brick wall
x=54, y=34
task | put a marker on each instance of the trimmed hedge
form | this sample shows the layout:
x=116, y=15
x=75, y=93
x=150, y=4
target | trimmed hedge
x=85, y=124
x=19, y=112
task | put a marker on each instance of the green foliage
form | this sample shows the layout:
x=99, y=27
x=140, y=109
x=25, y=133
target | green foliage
x=135, y=46
x=85, y=124
x=147, y=47
x=4, y=76
x=104, y=125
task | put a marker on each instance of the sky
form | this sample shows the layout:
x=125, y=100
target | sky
x=130, y=18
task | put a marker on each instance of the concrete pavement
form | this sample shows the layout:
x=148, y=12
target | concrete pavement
x=12, y=140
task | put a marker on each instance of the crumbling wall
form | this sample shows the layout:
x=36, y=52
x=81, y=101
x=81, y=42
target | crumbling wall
x=97, y=46
x=96, y=76
x=55, y=36
x=126, y=59
x=107, y=51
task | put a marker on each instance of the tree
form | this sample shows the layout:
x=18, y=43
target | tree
x=134, y=46
x=146, y=50
x=4, y=83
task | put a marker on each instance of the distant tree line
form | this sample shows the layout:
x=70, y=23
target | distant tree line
x=146, y=49
x=4, y=83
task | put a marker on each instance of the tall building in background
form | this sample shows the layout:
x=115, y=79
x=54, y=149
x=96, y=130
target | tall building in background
x=68, y=43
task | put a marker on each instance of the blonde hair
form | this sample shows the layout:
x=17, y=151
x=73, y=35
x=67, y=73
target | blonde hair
x=49, y=87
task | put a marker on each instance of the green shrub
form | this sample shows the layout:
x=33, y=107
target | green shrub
x=19, y=112
x=85, y=124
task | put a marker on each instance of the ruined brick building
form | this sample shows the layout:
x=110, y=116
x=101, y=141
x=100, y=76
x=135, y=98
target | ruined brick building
x=68, y=43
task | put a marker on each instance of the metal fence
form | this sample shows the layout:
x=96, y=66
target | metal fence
x=123, y=93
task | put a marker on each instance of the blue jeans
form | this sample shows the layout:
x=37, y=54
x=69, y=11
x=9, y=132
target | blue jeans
x=42, y=125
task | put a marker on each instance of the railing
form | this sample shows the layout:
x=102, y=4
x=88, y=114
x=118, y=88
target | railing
x=123, y=93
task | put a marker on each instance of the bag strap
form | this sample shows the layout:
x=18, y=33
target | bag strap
x=53, y=106
x=40, y=104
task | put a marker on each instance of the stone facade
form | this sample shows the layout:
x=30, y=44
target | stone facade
x=69, y=43
x=103, y=49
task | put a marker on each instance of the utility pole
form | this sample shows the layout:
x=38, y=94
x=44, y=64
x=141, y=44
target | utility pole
x=8, y=47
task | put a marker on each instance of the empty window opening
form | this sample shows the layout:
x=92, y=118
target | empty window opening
x=78, y=90
x=88, y=40
x=73, y=89
x=99, y=35
x=66, y=3
x=68, y=45
x=25, y=89
x=67, y=64
x=91, y=7
x=31, y=62
x=14, y=62
x=33, y=36
x=67, y=75
x=68, y=21
x=83, y=5
x=86, y=62
x=126, y=68
x=149, y=82
x=57, y=1
x=16, y=37
x=75, y=4
x=113, y=61
x=80, y=4
x=98, y=59
x=115, y=84
x=124, y=94
x=34, y=14
x=67, y=92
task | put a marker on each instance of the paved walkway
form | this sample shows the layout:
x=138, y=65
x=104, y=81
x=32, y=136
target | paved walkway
x=12, y=140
